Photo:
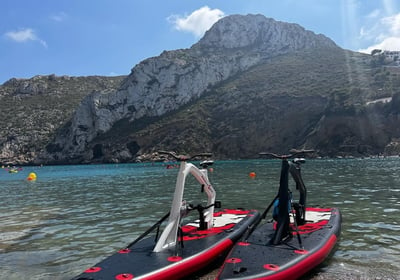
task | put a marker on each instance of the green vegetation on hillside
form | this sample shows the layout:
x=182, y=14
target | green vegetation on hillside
x=313, y=99
x=277, y=105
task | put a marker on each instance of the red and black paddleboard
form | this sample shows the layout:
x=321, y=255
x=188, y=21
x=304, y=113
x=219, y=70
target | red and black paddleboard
x=195, y=250
x=296, y=240
x=258, y=259
x=181, y=249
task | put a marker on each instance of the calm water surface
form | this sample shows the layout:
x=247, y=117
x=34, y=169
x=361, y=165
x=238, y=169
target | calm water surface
x=74, y=216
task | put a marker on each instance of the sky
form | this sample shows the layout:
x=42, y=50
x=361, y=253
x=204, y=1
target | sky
x=109, y=37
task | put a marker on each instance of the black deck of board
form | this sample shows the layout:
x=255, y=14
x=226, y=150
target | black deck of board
x=258, y=259
x=200, y=248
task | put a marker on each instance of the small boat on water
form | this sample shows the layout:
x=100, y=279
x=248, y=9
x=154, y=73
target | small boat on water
x=182, y=248
x=295, y=241
x=13, y=170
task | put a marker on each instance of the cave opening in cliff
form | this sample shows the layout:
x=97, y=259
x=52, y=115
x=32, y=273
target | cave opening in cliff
x=98, y=151
x=133, y=147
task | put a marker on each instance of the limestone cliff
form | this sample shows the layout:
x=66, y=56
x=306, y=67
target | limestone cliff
x=163, y=84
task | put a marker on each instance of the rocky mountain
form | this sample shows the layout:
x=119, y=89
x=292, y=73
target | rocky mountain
x=250, y=84
x=163, y=84
x=32, y=110
x=311, y=99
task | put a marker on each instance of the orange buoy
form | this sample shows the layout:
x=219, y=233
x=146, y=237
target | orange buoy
x=252, y=174
x=31, y=177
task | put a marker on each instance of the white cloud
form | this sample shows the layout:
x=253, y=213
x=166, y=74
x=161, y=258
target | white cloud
x=25, y=35
x=393, y=23
x=59, y=17
x=391, y=43
x=198, y=22
x=384, y=34
x=22, y=35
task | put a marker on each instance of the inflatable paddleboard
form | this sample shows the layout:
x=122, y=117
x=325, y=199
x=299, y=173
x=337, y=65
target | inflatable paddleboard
x=195, y=250
x=297, y=239
x=182, y=248
x=257, y=258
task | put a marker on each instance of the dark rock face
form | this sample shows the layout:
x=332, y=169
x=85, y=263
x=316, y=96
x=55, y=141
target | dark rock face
x=272, y=108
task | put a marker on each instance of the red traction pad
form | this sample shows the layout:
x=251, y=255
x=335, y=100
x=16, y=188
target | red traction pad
x=192, y=232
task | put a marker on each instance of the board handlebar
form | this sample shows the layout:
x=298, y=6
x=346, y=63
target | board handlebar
x=184, y=157
x=293, y=153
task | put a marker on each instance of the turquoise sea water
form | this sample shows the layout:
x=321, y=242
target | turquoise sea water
x=73, y=216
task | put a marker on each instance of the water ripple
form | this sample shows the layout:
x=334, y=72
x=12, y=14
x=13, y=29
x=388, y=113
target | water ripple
x=73, y=216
